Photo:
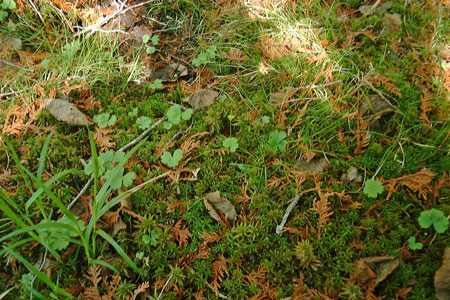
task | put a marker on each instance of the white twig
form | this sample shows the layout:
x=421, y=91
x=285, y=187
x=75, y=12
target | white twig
x=291, y=206
x=142, y=135
x=164, y=287
x=15, y=66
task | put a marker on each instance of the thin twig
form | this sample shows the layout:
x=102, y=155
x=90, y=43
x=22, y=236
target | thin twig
x=138, y=187
x=36, y=10
x=291, y=206
x=15, y=66
x=173, y=138
x=142, y=135
x=44, y=259
x=102, y=21
x=83, y=190
x=164, y=287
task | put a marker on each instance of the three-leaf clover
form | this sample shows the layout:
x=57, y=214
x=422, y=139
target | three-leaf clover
x=205, y=57
x=231, y=143
x=134, y=112
x=263, y=120
x=413, y=245
x=150, y=239
x=276, y=140
x=57, y=238
x=140, y=254
x=172, y=160
x=174, y=115
x=8, y=4
x=119, y=179
x=155, y=85
x=146, y=38
x=434, y=217
x=151, y=50
x=143, y=122
x=105, y=120
x=372, y=188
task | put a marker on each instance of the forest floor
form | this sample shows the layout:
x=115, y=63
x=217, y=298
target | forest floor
x=193, y=149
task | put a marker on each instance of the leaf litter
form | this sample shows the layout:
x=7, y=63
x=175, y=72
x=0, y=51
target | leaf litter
x=215, y=204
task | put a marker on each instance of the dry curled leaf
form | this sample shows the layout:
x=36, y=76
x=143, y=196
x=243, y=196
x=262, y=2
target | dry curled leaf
x=313, y=166
x=392, y=23
x=375, y=268
x=170, y=73
x=67, y=112
x=201, y=99
x=442, y=277
x=216, y=204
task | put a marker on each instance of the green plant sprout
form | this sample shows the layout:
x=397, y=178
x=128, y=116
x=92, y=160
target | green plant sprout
x=205, y=57
x=413, y=245
x=434, y=217
x=6, y=4
x=372, y=188
x=134, y=112
x=104, y=120
x=155, y=85
x=174, y=115
x=155, y=41
x=151, y=239
x=143, y=122
x=276, y=140
x=263, y=120
x=231, y=143
x=172, y=160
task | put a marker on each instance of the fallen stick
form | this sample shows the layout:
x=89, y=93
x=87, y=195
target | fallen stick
x=291, y=206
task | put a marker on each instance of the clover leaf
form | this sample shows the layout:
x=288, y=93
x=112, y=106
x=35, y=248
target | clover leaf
x=8, y=4
x=172, y=160
x=105, y=120
x=413, y=245
x=187, y=114
x=155, y=40
x=57, y=238
x=372, y=188
x=231, y=143
x=119, y=179
x=155, y=85
x=143, y=122
x=146, y=38
x=134, y=112
x=174, y=114
x=204, y=57
x=151, y=50
x=434, y=217
x=150, y=239
x=276, y=140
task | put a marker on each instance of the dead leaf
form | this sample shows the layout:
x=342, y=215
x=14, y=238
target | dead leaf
x=442, y=277
x=126, y=19
x=352, y=176
x=67, y=112
x=118, y=226
x=392, y=23
x=138, y=33
x=216, y=204
x=201, y=99
x=170, y=73
x=368, y=10
x=235, y=55
x=373, y=110
x=313, y=166
x=375, y=268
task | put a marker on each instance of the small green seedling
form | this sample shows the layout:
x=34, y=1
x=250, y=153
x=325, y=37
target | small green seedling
x=231, y=143
x=155, y=85
x=6, y=4
x=172, y=160
x=143, y=122
x=134, y=112
x=205, y=57
x=155, y=41
x=140, y=255
x=174, y=115
x=57, y=238
x=120, y=179
x=151, y=239
x=434, y=217
x=372, y=188
x=413, y=245
x=263, y=120
x=276, y=140
x=105, y=120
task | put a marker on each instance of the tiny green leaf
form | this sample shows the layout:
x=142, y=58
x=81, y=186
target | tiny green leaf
x=413, y=245
x=3, y=15
x=128, y=179
x=434, y=217
x=145, y=38
x=167, y=125
x=231, y=143
x=105, y=120
x=155, y=40
x=186, y=115
x=143, y=122
x=134, y=112
x=372, y=188
x=172, y=160
x=155, y=85
x=174, y=114
x=140, y=254
x=151, y=50
x=265, y=119
x=276, y=140
x=8, y=4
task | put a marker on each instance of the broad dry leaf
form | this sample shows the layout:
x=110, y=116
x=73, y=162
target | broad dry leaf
x=216, y=204
x=118, y=226
x=392, y=23
x=442, y=277
x=201, y=99
x=375, y=268
x=67, y=112
x=170, y=73
x=313, y=166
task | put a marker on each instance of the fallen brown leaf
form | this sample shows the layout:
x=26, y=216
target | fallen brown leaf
x=201, y=99
x=442, y=277
x=67, y=112
x=375, y=268
x=170, y=73
x=216, y=204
